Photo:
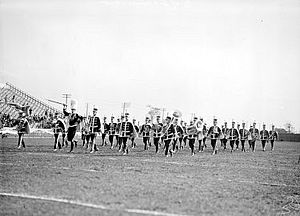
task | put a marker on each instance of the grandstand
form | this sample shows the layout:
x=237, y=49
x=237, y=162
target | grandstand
x=16, y=95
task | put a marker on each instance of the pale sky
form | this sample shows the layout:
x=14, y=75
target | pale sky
x=231, y=59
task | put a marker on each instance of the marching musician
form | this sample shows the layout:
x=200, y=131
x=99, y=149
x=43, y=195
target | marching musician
x=214, y=134
x=22, y=128
x=168, y=135
x=145, y=131
x=233, y=136
x=94, y=128
x=118, y=131
x=225, y=135
x=105, y=131
x=237, y=142
x=135, y=134
x=264, y=137
x=243, y=136
x=126, y=132
x=178, y=134
x=273, y=135
x=85, y=132
x=192, y=135
x=204, y=131
x=254, y=133
x=182, y=137
x=74, y=119
x=58, y=126
x=112, y=132
x=157, y=132
x=199, y=126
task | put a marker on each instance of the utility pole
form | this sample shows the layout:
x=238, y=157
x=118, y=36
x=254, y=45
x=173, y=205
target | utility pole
x=67, y=96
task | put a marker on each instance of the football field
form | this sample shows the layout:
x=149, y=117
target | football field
x=39, y=181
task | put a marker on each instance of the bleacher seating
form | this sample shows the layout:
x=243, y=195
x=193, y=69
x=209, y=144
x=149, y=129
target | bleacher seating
x=9, y=92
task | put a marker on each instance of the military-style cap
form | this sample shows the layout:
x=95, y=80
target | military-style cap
x=95, y=109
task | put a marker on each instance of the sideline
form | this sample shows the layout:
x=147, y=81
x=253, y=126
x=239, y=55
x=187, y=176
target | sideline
x=89, y=205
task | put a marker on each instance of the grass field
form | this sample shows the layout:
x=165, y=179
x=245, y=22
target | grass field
x=38, y=181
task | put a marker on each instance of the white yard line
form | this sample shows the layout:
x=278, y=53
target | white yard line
x=89, y=205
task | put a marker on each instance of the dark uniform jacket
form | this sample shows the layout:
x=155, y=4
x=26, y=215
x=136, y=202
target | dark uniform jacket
x=112, y=128
x=264, y=135
x=74, y=119
x=233, y=134
x=244, y=134
x=214, y=132
x=94, y=124
x=169, y=131
x=273, y=135
x=254, y=133
x=145, y=130
x=126, y=129
x=157, y=130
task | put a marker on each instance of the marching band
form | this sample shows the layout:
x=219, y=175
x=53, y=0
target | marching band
x=169, y=132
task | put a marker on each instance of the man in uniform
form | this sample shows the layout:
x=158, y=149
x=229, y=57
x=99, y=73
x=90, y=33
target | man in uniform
x=136, y=133
x=237, y=142
x=214, y=133
x=273, y=135
x=264, y=137
x=254, y=132
x=178, y=134
x=112, y=132
x=225, y=135
x=105, y=131
x=58, y=127
x=145, y=131
x=95, y=126
x=157, y=132
x=192, y=137
x=22, y=128
x=168, y=135
x=233, y=136
x=126, y=132
x=74, y=119
x=243, y=136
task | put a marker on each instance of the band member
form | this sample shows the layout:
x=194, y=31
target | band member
x=105, y=131
x=145, y=131
x=214, y=134
x=157, y=132
x=118, y=130
x=74, y=120
x=233, y=135
x=85, y=133
x=22, y=128
x=254, y=133
x=264, y=137
x=119, y=140
x=192, y=135
x=126, y=132
x=58, y=126
x=178, y=134
x=168, y=135
x=205, y=135
x=225, y=135
x=135, y=134
x=183, y=137
x=185, y=134
x=94, y=128
x=237, y=142
x=112, y=132
x=243, y=136
x=199, y=126
x=273, y=135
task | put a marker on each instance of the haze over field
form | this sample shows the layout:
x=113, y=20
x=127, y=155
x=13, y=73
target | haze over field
x=229, y=59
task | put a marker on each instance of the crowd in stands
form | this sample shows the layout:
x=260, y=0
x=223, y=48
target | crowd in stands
x=36, y=121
